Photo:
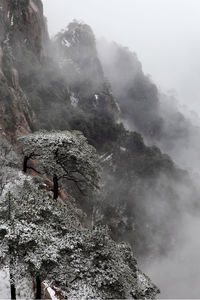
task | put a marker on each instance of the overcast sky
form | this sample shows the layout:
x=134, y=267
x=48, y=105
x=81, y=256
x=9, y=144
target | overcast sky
x=165, y=34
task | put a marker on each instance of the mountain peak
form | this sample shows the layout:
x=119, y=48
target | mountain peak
x=22, y=22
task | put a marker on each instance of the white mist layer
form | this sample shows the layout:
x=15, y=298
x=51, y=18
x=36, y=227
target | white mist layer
x=178, y=274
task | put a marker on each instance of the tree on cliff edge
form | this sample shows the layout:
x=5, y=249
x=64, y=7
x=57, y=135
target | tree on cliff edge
x=62, y=155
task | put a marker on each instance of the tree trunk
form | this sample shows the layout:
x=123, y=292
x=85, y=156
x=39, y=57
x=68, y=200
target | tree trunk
x=26, y=158
x=55, y=186
x=38, y=288
x=12, y=286
x=12, y=280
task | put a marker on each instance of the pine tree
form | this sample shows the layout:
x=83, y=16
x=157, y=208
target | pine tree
x=62, y=155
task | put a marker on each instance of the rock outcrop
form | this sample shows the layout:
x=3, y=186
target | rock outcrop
x=22, y=24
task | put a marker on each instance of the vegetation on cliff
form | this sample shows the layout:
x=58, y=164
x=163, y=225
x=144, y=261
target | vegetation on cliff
x=60, y=86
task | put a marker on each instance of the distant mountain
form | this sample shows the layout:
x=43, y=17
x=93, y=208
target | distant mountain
x=146, y=109
x=134, y=175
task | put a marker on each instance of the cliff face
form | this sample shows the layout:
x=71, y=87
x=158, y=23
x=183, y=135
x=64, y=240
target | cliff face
x=77, y=46
x=137, y=95
x=23, y=31
x=16, y=116
x=24, y=24
x=77, y=54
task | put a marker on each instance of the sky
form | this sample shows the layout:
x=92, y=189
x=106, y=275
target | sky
x=165, y=34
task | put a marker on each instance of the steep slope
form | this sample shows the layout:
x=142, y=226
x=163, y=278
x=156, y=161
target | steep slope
x=139, y=183
x=69, y=84
x=16, y=114
x=24, y=24
x=67, y=89
x=36, y=93
x=85, y=263
x=137, y=94
x=143, y=106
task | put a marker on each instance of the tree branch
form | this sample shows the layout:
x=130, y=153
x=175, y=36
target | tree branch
x=31, y=168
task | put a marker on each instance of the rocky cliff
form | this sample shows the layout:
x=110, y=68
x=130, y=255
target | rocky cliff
x=60, y=85
x=22, y=28
x=66, y=91
x=24, y=24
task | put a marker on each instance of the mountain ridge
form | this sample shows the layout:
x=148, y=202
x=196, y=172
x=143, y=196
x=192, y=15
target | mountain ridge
x=61, y=84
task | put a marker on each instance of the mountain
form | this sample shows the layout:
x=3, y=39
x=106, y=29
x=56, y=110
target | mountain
x=139, y=182
x=57, y=85
x=73, y=82
x=137, y=94
x=144, y=108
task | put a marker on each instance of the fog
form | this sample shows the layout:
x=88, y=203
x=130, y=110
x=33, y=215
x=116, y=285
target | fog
x=177, y=274
x=164, y=34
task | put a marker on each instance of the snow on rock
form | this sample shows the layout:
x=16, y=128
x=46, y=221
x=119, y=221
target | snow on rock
x=123, y=149
x=109, y=157
x=12, y=21
x=66, y=43
x=106, y=157
x=74, y=100
x=96, y=100
x=33, y=6
x=50, y=290
x=96, y=96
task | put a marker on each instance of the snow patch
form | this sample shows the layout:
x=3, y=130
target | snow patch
x=50, y=290
x=66, y=43
x=123, y=149
x=74, y=100
x=33, y=6
x=106, y=157
x=12, y=21
x=96, y=96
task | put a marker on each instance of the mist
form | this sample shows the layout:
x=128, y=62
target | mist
x=145, y=81
x=163, y=121
x=171, y=272
x=164, y=34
